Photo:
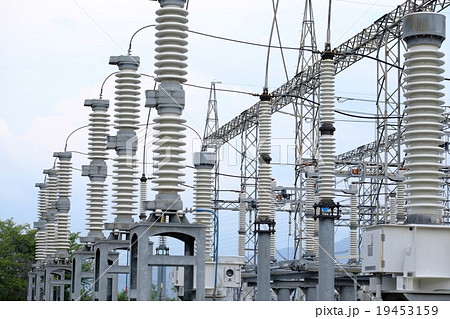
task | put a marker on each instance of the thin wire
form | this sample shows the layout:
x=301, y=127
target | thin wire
x=370, y=57
x=328, y=43
x=131, y=39
x=369, y=117
x=101, y=28
x=355, y=21
x=279, y=41
x=104, y=81
x=224, y=174
x=368, y=4
x=222, y=90
x=250, y=43
x=144, y=149
x=266, y=77
x=76, y=130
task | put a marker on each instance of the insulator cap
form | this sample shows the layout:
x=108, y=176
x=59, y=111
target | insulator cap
x=97, y=104
x=63, y=156
x=327, y=55
x=204, y=159
x=424, y=27
x=265, y=96
x=125, y=61
x=179, y=3
x=327, y=129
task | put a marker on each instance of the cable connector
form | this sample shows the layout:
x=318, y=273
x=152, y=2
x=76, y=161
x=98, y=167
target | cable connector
x=265, y=96
x=169, y=97
x=327, y=209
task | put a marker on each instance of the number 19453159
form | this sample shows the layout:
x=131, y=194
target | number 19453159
x=407, y=310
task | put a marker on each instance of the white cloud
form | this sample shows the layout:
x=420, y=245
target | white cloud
x=50, y=132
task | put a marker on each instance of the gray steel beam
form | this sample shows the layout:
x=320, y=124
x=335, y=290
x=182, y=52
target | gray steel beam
x=361, y=45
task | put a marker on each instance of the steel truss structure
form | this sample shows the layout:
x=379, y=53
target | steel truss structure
x=377, y=164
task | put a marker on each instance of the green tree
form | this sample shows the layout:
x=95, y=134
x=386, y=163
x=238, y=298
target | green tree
x=17, y=248
x=122, y=296
x=74, y=243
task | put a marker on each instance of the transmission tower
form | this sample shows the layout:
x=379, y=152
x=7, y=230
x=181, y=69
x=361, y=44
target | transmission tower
x=307, y=128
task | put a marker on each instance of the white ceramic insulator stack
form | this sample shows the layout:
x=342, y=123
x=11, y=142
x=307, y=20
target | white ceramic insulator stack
x=424, y=130
x=265, y=195
x=143, y=190
x=203, y=200
x=126, y=118
x=309, y=220
x=392, y=210
x=272, y=236
x=400, y=202
x=171, y=44
x=50, y=227
x=52, y=186
x=170, y=67
x=353, y=225
x=242, y=228
x=327, y=141
x=63, y=217
x=316, y=237
x=97, y=189
x=169, y=154
x=40, y=234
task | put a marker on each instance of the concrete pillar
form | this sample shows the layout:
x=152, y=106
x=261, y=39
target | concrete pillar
x=263, y=267
x=144, y=282
x=311, y=294
x=31, y=286
x=76, y=277
x=348, y=293
x=326, y=259
x=284, y=294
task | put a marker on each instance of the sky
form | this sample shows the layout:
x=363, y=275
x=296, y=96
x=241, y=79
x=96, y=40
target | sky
x=55, y=54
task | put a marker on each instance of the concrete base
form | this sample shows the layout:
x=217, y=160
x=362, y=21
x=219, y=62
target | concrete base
x=192, y=235
x=56, y=282
x=78, y=274
x=106, y=268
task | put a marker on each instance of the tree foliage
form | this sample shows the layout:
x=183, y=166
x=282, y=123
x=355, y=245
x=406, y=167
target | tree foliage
x=17, y=248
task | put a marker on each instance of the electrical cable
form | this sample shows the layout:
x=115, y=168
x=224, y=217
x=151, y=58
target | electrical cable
x=359, y=2
x=104, y=81
x=76, y=130
x=281, y=46
x=144, y=148
x=224, y=174
x=355, y=21
x=266, y=75
x=250, y=43
x=131, y=39
x=369, y=57
x=222, y=90
x=369, y=117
